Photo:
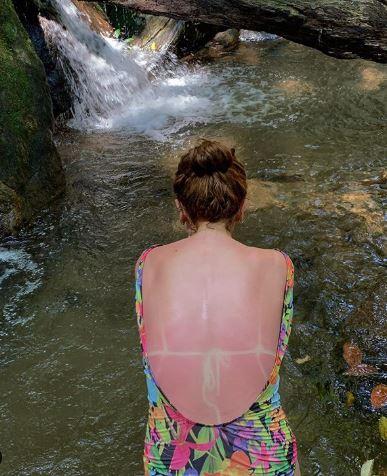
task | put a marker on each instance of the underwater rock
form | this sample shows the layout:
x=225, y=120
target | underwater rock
x=367, y=325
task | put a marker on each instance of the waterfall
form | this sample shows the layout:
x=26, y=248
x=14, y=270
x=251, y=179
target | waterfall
x=115, y=86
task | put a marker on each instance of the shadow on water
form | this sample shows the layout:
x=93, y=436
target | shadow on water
x=310, y=131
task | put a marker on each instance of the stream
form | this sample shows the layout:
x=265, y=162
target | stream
x=311, y=132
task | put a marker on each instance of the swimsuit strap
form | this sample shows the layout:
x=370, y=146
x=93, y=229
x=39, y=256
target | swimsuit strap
x=287, y=312
x=138, y=297
x=144, y=254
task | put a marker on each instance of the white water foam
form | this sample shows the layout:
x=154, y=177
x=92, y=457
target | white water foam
x=257, y=36
x=18, y=263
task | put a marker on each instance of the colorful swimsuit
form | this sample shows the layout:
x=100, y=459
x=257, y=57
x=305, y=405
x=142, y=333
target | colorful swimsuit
x=258, y=442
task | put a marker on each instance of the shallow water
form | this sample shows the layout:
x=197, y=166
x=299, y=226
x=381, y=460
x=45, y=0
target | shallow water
x=310, y=131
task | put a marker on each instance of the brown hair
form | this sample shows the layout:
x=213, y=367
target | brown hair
x=210, y=183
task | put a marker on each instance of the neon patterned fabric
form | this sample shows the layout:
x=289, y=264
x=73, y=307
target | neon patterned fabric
x=258, y=442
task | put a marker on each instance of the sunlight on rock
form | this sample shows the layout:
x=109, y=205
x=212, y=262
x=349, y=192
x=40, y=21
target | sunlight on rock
x=362, y=204
x=294, y=86
x=372, y=78
x=302, y=360
x=262, y=194
x=244, y=54
x=359, y=203
x=95, y=17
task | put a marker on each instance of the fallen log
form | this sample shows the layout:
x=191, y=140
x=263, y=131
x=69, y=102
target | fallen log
x=339, y=28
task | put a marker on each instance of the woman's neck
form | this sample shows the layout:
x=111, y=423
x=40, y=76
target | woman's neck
x=209, y=227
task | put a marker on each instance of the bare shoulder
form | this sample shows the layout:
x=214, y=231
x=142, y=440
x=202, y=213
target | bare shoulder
x=273, y=259
x=161, y=252
x=158, y=254
x=151, y=250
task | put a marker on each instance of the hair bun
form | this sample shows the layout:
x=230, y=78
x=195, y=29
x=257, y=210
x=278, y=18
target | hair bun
x=210, y=157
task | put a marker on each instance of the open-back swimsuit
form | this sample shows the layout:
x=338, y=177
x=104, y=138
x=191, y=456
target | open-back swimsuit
x=258, y=442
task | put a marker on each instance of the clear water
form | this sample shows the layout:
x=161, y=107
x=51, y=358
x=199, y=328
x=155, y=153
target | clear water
x=310, y=130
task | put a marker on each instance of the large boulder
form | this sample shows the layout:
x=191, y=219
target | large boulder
x=31, y=173
x=28, y=12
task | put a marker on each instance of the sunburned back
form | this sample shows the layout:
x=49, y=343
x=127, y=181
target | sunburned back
x=212, y=309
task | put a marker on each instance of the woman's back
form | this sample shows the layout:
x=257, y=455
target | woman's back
x=212, y=311
x=214, y=319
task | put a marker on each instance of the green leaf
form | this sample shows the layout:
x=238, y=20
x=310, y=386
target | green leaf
x=205, y=435
x=212, y=464
x=220, y=448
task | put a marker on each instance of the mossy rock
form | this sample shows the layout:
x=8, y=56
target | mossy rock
x=31, y=173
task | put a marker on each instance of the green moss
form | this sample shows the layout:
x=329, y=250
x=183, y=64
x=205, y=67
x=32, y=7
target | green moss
x=25, y=117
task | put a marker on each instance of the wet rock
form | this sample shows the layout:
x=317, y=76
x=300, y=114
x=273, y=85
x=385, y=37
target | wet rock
x=227, y=39
x=95, y=17
x=28, y=13
x=279, y=176
x=195, y=36
x=368, y=323
x=180, y=37
x=222, y=43
x=159, y=33
x=262, y=194
x=31, y=173
x=295, y=87
x=372, y=79
x=380, y=180
x=361, y=216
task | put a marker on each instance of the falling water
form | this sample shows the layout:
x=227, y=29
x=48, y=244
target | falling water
x=115, y=86
x=100, y=75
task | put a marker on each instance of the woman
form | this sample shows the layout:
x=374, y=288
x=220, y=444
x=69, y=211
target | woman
x=214, y=319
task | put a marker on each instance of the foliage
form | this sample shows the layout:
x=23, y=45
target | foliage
x=125, y=22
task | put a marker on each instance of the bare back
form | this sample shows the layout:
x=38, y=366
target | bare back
x=212, y=310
